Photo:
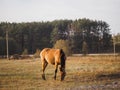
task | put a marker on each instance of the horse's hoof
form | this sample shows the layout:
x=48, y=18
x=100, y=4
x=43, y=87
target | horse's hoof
x=43, y=77
x=62, y=80
x=54, y=78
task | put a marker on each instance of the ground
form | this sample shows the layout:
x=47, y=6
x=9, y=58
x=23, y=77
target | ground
x=83, y=73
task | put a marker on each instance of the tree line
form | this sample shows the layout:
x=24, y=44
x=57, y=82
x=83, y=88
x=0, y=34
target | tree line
x=31, y=36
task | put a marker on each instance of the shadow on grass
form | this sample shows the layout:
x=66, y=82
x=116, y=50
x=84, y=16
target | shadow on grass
x=109, y=76
x=7, y=75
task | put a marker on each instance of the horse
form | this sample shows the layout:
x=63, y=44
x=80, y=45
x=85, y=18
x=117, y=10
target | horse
x=55, y=57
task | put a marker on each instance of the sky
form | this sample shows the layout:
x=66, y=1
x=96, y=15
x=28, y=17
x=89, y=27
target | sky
x=49, y=10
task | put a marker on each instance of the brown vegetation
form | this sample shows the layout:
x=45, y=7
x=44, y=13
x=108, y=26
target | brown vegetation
x=96, y=72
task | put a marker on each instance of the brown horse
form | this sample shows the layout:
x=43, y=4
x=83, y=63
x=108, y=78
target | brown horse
x=55, y=57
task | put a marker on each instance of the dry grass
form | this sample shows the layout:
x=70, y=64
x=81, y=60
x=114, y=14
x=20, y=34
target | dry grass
x=26, y=74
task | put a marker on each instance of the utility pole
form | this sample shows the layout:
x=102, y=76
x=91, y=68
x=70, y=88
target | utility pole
x=114, y=48
x=7, y=44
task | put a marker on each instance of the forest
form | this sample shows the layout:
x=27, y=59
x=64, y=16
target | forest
x=31, y=36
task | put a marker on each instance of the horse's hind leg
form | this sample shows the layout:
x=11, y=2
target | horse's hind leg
x=44, y=65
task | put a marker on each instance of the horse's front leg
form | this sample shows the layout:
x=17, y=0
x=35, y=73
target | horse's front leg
x=56, y=68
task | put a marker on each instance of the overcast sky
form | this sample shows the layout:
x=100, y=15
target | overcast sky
x=48, y=10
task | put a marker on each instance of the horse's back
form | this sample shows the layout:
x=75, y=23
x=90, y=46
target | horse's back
x=51, y=55
x=49, y=51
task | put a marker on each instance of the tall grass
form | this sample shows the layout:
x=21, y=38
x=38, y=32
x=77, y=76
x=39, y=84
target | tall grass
x=26, y=74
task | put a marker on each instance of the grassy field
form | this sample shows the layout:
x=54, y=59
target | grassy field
x=81, y=72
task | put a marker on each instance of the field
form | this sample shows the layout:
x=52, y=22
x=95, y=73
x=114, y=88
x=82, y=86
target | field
x=83, y=73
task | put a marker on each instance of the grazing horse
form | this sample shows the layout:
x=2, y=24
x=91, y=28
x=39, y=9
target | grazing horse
x=55, y=57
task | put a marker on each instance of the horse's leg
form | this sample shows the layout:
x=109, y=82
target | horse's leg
x=44, y=65
x=56, y=67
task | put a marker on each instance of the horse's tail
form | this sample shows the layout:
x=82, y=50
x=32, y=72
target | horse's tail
x=63, y=58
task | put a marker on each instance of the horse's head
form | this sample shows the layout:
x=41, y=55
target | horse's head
x=63, y=73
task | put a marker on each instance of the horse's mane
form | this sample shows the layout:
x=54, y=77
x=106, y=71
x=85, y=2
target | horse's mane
x=63, y=58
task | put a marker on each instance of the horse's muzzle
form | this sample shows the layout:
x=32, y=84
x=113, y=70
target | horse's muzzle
x=63, y=74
